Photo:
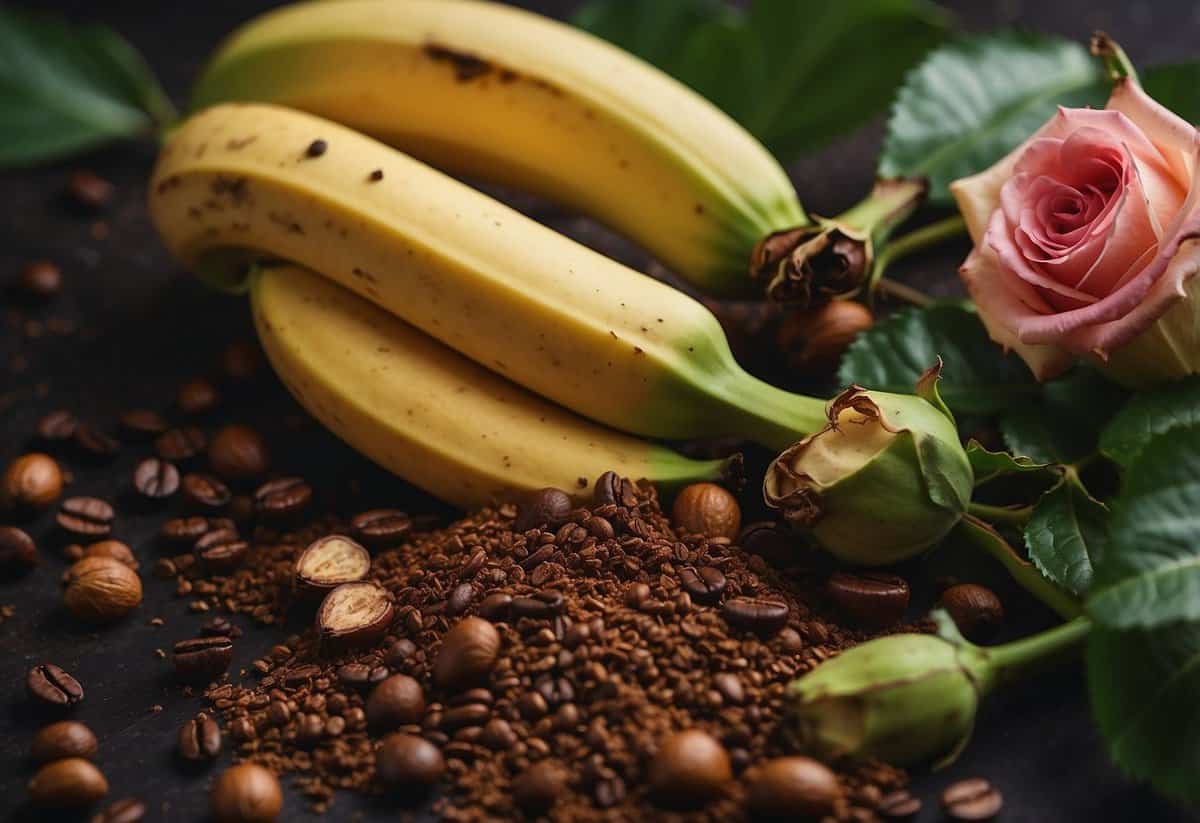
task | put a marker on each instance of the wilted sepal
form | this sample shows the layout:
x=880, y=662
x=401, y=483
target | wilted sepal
x=906, y=699
x=886, y=479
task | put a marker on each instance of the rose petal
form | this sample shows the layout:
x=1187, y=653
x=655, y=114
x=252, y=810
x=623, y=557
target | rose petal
x=1168, y=131
x=1059, y=295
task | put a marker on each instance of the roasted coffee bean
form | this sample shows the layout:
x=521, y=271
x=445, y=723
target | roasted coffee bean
x=690, y=769
x=460, y=599
x=898, y=805
x=156, y=478
x=360, y=675
x=31, y=483
x=65, y=738
x=546, y=507
x=539, y=787
x=395, y=702
x=381, y=527
x=768, y=541
x=730, y=687
x=408, y=762
x=238, y=453
x=496, y=607
x=976, y=610
x=607, y=490
x=543, y=604
x=197, y=397
x=41, y=280
x=704, y=585
x=468, y=654
x=787, y=788
x=85, y=516
x=972, y=799
x=143, y=423
x=205, y=491
x=219, y=627
x=180, y=445
x=70, y=783
x=57, y=426
x=52, y=685
x=874, y=599
x=763, y=617
x=202, y=659
x=18, y=552
x=89, y=191
x=707, y=509
x=187, y=530
x=245, y=793
x=328, y=562
x=241, y=361
x=398, y=654
x=470, y=714
x=222, y=550
x=126, y=810
x=498, y=734
x=283, y=497
x=96, y=443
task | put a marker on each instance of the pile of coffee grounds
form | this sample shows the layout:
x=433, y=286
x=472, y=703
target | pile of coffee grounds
x=616, y=632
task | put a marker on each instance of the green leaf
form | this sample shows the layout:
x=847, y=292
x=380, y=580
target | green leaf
x=1148, y=415
x=1143, y=688
x=1149, y=573
x=1176, y=86
x=988, y=465
x=1066, y=533
x=64, y=89
x=977, y=377
x=772, y=68
x=977, y=98
x=1064, y=423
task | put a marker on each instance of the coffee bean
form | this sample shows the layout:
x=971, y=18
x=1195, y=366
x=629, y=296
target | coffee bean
x=126, y=810
x=460, y=599
x=187, y=530
x=704, y=585
x=57, y=426
x=787, y=788
x=18, y=552
x=202, y=659
x=52, y=685
x=539, y=787
x=89, y=191
x=976, y=610
x=874, y=599
x=85, y=516
x=607, y=490
x=360, y=675
x=219, y=627
x=498, y=734
x=543, y=604
x=547, y=507
x=65, y=738
x=399, y=653
x=408, y=762
x=41, y=280
x=199, y=739
x=197, y=397
x=180, y=445
x=241, y=361
x=707, y=509
x=283, y=497
x=496, y=607
x=898, y=805
x=972, y=799
x=381, y=527
x=395, y=702
x=238, y=453
x=222, y=550
x=763, y=617
x=245, y=793
x=143, y=423
x=690, y=769
x=328, y=563
x=468, y=654
x=730, y=688
x=354, y=614
x=31, y=483
x=470, y=714
x=768, y=541
x=96, y=443
x=155, y=478
x=205, y=491
x=67, y=784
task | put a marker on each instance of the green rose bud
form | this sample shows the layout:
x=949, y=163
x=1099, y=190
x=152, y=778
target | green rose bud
x=886, y=479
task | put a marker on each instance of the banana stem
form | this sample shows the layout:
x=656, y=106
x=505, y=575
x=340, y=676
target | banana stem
x=776, y=417
x=1014, y=660
x=1024, y=573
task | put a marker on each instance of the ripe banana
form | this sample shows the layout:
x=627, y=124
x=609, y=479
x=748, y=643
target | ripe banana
x=430, y=415
x=500, y=94
x=238, y=182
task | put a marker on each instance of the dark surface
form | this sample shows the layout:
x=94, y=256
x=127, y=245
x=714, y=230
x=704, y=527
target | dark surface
x=143, y=327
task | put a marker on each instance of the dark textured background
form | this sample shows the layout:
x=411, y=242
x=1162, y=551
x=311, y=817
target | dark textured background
x=143, y=327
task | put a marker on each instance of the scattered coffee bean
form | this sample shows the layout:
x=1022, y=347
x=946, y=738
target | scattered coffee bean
x=690, y=769
x=704, y=585
x=96, y=443
x=539, y=787
x=85, y=516
x=187, y=530
x=222, y=550
x=41, y=280
x=408, y=762
x=328, y=563
x=283, y=497
x=205, y=491
x=769, y=542
x=102, y=589
x=763, y=617
x=398, y=654
x=381, y=527
x=541, y=605
x=66, y=738
x=89, y=191
x=873, y=599
x=496, y=607
x=156, y=478
x=180, y=445
x=52, y=685
x=114, y=549
x=202, y=659
x=70, y=783
x=976, y=610
x=126, y=810
x=547, y=507
x=707, y=509
x=360, y=675
x=219, y=627
x=787, y=788
x=197, y=397
x=972, y=799
x=395, y=702
x=354, y=614
x=467, y=656
x=18, y=552
x=143, y=424
x=238, y=453
x=31, y=483
x=898, y=805
x=199, y=739
x=57, y=426
x=245, y=793
x=607, y=491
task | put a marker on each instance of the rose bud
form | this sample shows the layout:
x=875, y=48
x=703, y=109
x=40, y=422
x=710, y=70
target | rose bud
x=1085, y=241
x=886, y=479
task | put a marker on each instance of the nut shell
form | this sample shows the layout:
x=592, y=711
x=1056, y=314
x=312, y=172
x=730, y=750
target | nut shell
x=707, y=509
x=329, y=562
x=102, y=589
x=354, y=614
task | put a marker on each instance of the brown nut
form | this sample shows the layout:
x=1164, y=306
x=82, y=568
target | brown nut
x=66, y=738
x=102, y=589
x=329, y=562
x=31, y=483
x=468, y=654
x=707, y=509
x=354, y=614
x=114, y=549
x=976, y=610
x=813, y=341
x=67, y=784
x=245, y=793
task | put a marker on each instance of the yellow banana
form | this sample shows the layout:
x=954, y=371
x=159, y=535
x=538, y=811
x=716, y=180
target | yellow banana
x=430, y=415
x=501, y=94
x=238, y=182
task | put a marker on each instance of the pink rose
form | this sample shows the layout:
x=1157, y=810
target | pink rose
x=1087, y=240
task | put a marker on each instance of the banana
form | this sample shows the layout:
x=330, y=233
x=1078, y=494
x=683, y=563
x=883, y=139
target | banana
x=430, y=415
x=238, y=182
x=493, y=92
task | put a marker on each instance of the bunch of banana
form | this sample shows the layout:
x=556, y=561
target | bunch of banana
x=493, y=92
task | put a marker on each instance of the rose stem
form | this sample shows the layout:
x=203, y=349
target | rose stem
x=1012, y=660
x=1018, y=516
x=902, y=292
x=1024, y=573
x=913, y=242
